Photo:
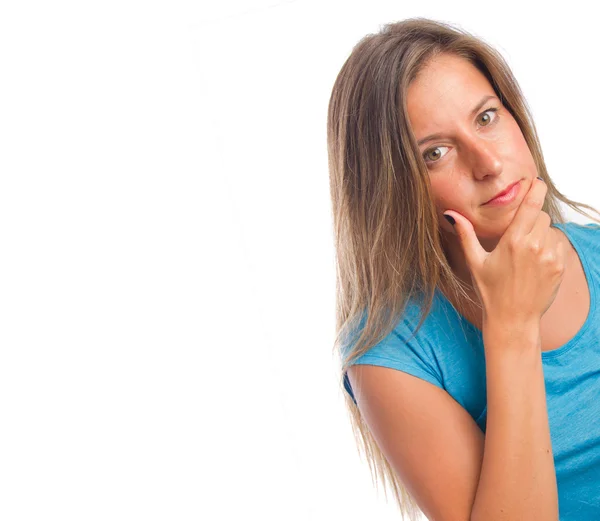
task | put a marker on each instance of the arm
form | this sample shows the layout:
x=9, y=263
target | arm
x=518, y=478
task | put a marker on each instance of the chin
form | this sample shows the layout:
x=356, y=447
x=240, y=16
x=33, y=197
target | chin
x=491, y=232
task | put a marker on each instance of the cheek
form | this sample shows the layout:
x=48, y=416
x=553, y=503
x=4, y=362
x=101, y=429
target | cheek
x=446, y=193
x=519, y=145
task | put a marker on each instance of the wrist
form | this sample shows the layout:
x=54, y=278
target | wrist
x=512, y=331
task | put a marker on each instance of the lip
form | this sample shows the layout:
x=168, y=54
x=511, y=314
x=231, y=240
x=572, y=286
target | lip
x=504, y=192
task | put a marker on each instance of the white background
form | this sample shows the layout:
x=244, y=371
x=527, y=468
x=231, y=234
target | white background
x=166, y=256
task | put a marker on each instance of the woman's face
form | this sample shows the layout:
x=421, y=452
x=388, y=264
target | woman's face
x=480, y=151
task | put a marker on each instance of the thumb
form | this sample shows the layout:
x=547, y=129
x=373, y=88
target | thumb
x=473, y=251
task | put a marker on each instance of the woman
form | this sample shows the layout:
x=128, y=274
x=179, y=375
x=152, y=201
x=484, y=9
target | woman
x=468, y=345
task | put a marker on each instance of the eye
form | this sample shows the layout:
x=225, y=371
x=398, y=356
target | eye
x=431, y=150
x=489, y=123
x=494, y=109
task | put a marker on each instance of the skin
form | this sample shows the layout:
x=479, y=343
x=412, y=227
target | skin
x=479, y=155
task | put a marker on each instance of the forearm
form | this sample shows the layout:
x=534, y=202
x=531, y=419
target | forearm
x=518, y=478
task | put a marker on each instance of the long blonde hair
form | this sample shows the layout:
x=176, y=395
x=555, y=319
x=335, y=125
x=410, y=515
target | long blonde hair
x=387, y=239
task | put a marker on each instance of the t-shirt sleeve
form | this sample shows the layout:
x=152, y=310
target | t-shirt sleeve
x=402, y=351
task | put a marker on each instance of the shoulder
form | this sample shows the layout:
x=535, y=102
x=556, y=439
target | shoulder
x=585, y=236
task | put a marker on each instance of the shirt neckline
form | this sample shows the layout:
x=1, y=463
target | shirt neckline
x=553, y=353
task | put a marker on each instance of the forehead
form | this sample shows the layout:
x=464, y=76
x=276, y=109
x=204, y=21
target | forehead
x=446, y=88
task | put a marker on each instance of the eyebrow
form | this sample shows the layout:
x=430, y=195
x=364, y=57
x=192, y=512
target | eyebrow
x=433, y=137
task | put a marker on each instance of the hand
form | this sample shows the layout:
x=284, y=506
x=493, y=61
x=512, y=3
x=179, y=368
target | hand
x=520, y=278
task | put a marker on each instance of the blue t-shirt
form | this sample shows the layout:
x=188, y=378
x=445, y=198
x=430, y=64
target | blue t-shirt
x=448, y=352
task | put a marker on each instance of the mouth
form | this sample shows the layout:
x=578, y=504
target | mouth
x=503, y=192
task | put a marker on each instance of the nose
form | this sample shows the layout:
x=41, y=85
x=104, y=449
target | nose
x=485, y=159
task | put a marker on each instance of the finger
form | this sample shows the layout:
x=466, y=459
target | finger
x=472, y=249
x=529, y=210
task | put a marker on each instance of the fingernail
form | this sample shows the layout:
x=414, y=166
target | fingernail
x=450, y=219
